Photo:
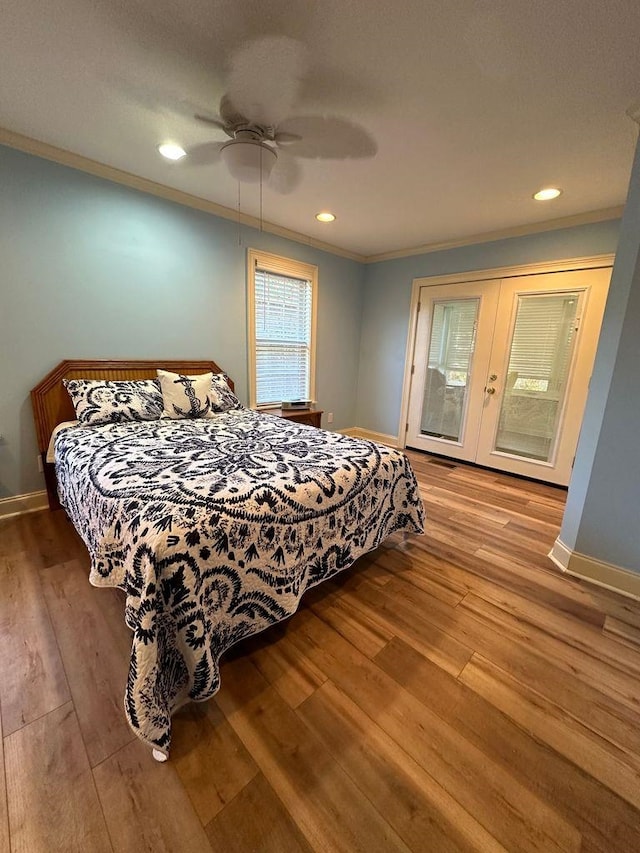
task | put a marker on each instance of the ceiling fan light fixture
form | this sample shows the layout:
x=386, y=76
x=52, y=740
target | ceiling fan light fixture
x=248, y=160
x=171, y=151
x=325, y=216
x=547, y=193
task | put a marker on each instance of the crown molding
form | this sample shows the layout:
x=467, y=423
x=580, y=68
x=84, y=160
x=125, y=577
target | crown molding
x=504, y=234
x=118, y=176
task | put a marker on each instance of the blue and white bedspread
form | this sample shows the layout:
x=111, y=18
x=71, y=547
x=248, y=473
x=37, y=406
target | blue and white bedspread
x=215, y=528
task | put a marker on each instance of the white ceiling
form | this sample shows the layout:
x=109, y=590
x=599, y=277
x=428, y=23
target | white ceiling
x=472, y=106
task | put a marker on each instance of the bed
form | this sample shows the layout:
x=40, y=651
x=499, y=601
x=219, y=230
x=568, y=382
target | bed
x=213, y=527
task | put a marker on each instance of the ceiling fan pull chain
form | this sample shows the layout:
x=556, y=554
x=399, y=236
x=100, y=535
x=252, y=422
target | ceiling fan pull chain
x=261, y=153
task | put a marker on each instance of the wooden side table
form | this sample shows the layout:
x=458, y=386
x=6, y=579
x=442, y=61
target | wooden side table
x=311, y=417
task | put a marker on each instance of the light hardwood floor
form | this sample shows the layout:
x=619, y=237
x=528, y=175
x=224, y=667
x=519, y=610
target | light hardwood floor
x=453, y=693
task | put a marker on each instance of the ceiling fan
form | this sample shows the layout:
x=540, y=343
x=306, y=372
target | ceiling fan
x=251, y=153
x=263, y=140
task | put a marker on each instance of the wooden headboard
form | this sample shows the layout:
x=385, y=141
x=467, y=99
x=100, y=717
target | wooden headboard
x=52, y=404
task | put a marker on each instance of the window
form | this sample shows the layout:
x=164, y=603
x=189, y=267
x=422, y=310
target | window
x=542, y=342
x=453, y=332
x=282, y=309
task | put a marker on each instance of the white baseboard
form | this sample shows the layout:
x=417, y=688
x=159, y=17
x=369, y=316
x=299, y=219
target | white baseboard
x=595, y=571
x=20, y=504
x=560, y=555
x=380, y=437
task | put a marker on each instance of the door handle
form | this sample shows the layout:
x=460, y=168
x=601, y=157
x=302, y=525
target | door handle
x=493, y=377
x=490, y=390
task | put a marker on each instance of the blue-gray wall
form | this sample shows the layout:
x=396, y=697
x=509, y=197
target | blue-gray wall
x=92, y=269
x=602, y=516
x=386, y=305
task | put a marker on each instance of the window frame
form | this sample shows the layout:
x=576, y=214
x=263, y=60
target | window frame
x=278, y=265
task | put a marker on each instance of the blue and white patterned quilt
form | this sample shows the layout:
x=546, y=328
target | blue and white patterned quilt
x=215, y=528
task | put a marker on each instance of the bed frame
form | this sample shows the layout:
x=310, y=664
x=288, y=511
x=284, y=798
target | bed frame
x=52, y=404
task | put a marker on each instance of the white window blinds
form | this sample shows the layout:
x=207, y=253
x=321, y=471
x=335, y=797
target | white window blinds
x=452, y=334
x=542, y=340
x=283, y=328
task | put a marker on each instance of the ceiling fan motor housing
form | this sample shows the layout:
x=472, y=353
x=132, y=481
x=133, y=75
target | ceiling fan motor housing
x=248, y=158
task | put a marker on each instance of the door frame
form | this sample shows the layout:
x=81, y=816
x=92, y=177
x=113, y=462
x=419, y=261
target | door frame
x=589, y=262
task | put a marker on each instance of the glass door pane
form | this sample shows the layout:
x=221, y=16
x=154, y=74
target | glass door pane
x=536, y=378
x=451, y=346
x=451, y=350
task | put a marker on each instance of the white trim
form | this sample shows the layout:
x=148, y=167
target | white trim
x=369, y=435
x=281, y=266
x=582, y=263
x=603, y=215
x=350, y=431
x=408, y=365
x=22, y=504
x=118, y=176
x=560, y=555
x=595, y=571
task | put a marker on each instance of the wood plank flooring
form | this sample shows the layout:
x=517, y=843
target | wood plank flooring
x=453, y=692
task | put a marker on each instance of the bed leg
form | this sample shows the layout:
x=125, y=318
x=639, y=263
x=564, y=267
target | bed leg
x=159, y=756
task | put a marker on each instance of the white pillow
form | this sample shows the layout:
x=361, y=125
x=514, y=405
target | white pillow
x=186, y=396
x=114, y=401
x=224, y=400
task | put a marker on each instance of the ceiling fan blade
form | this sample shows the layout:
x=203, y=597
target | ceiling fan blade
x=265, y=78
x=335, y=90
x=167, y=101
x=284, y=139
x=286, y=175
x=329, y=138
x=210, y=120
x=228, y=112
x=203, y=154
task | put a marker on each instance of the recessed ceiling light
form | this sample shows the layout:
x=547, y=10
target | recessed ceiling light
x=547, y=194
x=170, y=151
x=325, y=216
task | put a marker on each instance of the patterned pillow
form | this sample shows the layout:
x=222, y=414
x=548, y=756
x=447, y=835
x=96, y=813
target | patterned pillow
x=224, y=400
x=102, y=401
x=186, y=396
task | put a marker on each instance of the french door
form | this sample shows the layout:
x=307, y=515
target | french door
x=501, y=370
